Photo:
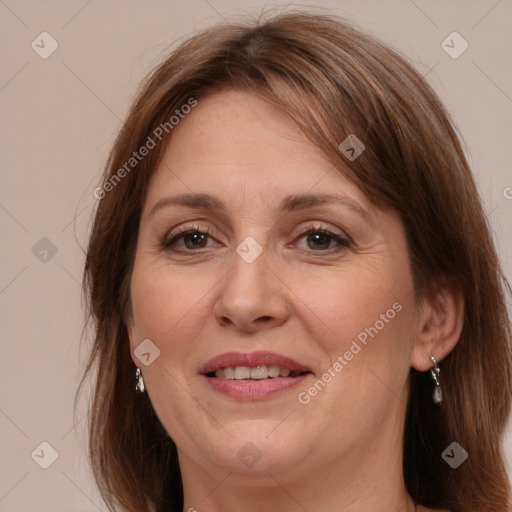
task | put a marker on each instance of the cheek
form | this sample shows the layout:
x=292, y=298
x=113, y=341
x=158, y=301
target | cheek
x=164, y=300
x=160, y=306
x=363, y=324
x=362, y=303
x=164, y=305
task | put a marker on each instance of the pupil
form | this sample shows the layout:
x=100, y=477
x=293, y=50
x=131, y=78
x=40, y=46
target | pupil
x=194, y=237
x=320, y=236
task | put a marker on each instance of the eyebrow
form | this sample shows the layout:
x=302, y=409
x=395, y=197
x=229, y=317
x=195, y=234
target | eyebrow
x=290, y=203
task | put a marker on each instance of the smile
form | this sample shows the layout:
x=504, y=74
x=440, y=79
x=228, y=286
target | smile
x=253, y=376
x=259, y=372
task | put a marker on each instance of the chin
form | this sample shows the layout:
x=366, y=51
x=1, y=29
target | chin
x=259, y=447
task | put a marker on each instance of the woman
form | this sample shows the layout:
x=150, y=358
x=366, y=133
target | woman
x=297, y=301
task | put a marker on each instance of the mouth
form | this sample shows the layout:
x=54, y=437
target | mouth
x=259, y=372
x=254, y=365
x=253, y=376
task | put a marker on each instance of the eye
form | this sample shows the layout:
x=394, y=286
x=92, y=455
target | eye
x=193, y=238
x=319, y=239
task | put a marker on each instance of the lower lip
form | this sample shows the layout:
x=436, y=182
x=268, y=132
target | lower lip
x=254, y=389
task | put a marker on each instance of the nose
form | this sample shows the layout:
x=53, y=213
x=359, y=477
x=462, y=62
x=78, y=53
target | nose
x=251, y=296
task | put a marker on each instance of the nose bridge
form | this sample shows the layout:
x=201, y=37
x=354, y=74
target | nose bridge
x=249, y=292
x=248, y=274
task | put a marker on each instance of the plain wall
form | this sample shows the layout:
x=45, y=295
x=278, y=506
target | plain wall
x=59, y=118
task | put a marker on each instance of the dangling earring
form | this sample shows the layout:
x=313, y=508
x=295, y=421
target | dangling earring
x=435, y=371
x=139, y=386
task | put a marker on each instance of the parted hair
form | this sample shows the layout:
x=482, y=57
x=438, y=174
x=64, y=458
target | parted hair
x=332, y=80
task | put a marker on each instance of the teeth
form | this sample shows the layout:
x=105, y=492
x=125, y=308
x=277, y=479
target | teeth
x=273, y=370
x=242, y=372
x=229, y=373
x=258, y=372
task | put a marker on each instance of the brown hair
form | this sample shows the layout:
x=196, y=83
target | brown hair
x=332, y=80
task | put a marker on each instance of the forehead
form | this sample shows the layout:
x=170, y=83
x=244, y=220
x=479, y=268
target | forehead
x=237, y=125
x=235, y=143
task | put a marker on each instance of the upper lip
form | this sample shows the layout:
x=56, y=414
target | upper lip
x=252, y=359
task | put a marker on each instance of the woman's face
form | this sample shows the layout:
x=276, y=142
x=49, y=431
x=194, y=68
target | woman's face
x=258, y=287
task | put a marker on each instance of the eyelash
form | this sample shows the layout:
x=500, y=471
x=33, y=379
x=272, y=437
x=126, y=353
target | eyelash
x=344, y=243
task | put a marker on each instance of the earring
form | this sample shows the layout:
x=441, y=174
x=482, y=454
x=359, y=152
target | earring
x=435, y=371
x=139, y=386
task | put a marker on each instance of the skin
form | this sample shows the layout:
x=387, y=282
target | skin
x=300, y=298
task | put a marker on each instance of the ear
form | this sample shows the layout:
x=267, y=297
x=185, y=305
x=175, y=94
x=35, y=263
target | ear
x=440, y=323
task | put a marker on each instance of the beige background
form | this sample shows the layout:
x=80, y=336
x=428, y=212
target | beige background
x=59, y=118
